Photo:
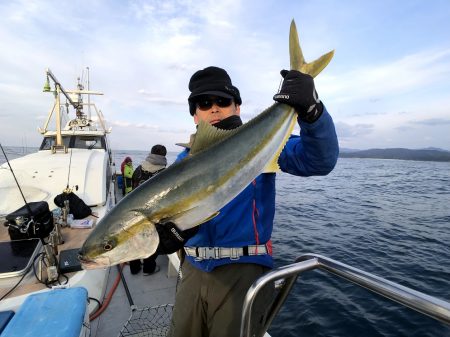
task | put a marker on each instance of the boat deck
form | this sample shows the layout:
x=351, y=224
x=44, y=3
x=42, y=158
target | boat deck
x=72, y=239
x=146, y=291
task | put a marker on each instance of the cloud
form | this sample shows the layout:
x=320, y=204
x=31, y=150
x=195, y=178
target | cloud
x=368, y=113
x=346, y=131
x=142, y=53
x=406, y=74
x=432, y=122
x=404, y=128
x=155, y=97
x=155, y=128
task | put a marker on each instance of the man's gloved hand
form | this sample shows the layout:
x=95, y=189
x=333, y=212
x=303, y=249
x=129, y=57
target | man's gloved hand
x=171, y=238
x=299, y=92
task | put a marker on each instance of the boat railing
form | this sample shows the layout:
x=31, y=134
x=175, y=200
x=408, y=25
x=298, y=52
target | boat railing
x=287, y=275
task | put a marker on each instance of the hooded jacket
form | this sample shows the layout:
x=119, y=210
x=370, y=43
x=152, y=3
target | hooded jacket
x=152, y=165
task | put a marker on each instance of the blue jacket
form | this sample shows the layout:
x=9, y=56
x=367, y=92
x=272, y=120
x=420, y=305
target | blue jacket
x=248, y=218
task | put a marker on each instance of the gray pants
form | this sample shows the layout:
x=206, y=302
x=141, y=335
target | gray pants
x=210, y=304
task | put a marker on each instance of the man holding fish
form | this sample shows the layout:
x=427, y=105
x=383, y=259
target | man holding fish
x=230, y=251
x=217, y=201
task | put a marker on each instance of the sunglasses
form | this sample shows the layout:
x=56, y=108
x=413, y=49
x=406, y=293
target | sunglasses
x=207, y=102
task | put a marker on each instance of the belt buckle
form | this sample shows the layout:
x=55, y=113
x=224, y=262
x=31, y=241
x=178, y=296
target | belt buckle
x=210, y=253
x=234, y=254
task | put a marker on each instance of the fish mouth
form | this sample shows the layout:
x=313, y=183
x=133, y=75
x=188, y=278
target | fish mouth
x=99, y=262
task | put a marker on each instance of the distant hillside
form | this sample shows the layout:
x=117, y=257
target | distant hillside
x=403, y=154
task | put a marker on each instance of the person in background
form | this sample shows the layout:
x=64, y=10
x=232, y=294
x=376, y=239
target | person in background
x=128, y=174
x=210, y=295
x=122, y=168
x=155, y=162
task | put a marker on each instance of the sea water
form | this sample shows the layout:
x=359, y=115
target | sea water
x=387, y=217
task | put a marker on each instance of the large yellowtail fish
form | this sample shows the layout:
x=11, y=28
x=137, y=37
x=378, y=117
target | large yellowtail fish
x=188, y=193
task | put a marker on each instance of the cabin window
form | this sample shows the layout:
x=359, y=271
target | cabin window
x=77, y=141
x=88, y=142
x=48, y=142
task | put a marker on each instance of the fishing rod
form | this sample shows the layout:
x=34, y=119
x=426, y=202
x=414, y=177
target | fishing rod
x=12, y=171
x=68, y=189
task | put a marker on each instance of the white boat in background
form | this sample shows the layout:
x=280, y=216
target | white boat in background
x=75, y=157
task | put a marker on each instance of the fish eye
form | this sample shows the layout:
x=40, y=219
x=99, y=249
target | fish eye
x=108, y=245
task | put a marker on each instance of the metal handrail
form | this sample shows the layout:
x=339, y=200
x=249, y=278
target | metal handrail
x=425, y=304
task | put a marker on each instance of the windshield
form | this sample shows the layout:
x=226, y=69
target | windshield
x=76, y=141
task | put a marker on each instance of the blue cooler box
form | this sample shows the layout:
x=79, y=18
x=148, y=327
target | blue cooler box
x=55, y=313
x=5, y=317
x=120, y=181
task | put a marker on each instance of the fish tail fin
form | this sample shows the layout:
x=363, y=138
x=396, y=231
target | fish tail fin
x=297, y=59
x=297, y=63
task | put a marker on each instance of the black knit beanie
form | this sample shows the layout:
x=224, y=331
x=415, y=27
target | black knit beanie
x=212, y=81
x=159, y=149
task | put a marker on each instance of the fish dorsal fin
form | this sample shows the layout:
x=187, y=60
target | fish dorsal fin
x=298, y=61
x=187, y=145
x=208, y=135
x=272, y=166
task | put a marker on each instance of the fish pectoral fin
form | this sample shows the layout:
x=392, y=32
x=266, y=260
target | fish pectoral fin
x=181, y=227
x=209, y=218
x=208, y=135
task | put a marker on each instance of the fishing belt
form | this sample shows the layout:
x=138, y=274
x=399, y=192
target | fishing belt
x=206, y=253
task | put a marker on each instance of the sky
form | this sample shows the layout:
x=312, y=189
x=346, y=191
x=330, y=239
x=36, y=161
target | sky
x=387, y=86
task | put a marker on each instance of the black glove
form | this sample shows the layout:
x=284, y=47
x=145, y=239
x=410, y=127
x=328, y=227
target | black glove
x=171, y=238
x=299, y=92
